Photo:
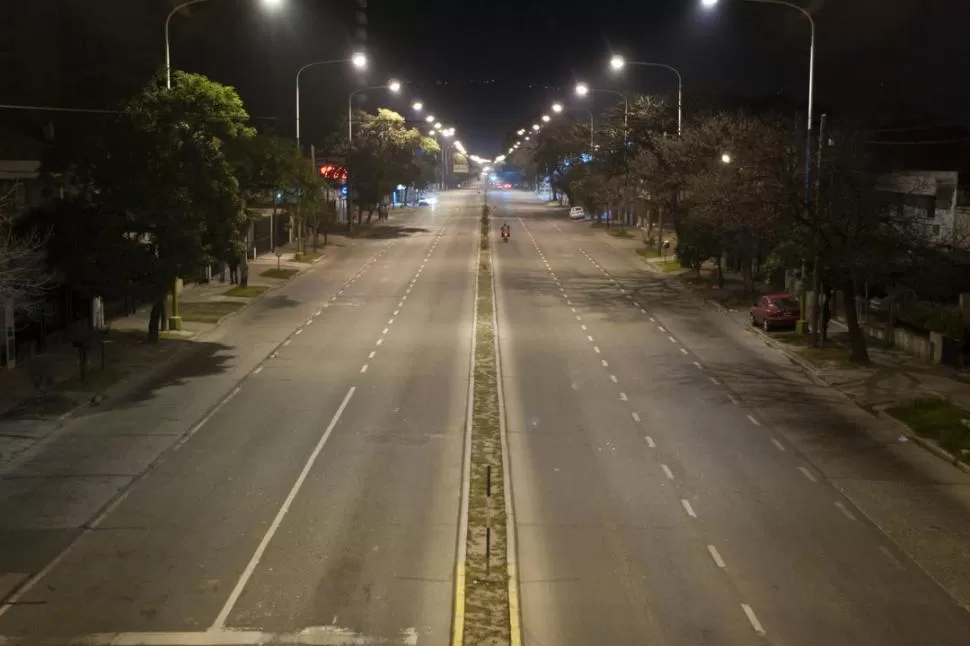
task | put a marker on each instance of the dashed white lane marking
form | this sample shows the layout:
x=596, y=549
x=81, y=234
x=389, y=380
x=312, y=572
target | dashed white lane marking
x=667, y=471
x=317, y=313
x=568, y=302
x=396, y=312
x=237, y=590
x=778, y=445
x=698, y=364
x=258, y=370
x=807, y=474
x=372, y=353
x=298, y=332
x=687, y=508
x=683, y=350
x=714, y=381
x=384, y=331
x=614, y=379
x=716, y=556
x=623, y=397
x=340, y=291
x=636, y=417
x=589, y=337
x=380, y=341
x=390, y=321
x=753, y=619
x=889, y=555
x=583, y=326
x=653, y=320
x=573, y=309
x=643, y=311
x=363, y=368
x=672, y=339
x=732, y=398
x=753, y=420
x=845, y=510
x=605, y=363
x=287, y=342
x=408, y=290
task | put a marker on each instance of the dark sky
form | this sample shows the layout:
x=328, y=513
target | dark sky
x=490, y=67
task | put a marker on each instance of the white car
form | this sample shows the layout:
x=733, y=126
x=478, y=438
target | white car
x=577, y=213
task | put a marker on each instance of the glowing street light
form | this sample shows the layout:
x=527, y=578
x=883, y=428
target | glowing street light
x=535, y=127
x=394, y=86
x=437, y=124
x=417, y=106
x=527, y=138
x=617, y=62
x=557, y=107
x=708, y=3
x=520, y=132
x=545, y=118
x=359, y=60
x=582, y=89
x=725, y=157
x=429, y=118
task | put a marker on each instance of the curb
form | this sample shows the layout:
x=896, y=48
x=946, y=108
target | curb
x=929, y=445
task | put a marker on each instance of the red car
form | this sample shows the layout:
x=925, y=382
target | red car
x=775, y=310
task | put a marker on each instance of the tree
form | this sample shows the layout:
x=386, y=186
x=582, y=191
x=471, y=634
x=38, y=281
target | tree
x=164, y=163
x=22, y=278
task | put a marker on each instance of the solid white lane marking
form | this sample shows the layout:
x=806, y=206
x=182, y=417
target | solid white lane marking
x=753, y=420
x=298, y=332
x=614, y=379
x=596, y=348
x=384, y=331
x=363, y=368
x=672, y=339
x=623, y=397
x=683, y=350
x=220, y=621
x=286, y=343
x=686, y=505
x=605, y=364
x=636, y=417
x=258, y=370
x=714, y=381
x=718, y=561
x=778, y=445
x=332, y=635
x=753, y=619
x=667, y=471
x=845, y=510
x=807, y=474
x=372, y=353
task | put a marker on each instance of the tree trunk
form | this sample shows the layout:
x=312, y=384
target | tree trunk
x=816, y=302
x=370, y=214
x=747, y=281
x=154, y=319
x=857, y=340
x=720, y=271
x=660, y=229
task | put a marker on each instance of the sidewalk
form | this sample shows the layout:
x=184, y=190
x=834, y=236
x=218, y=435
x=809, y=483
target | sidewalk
x=130, y=359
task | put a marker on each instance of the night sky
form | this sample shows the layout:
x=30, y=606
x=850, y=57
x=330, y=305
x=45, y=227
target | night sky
x=490, y=67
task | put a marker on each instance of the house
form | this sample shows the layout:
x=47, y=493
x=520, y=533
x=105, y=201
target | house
x=938, y=198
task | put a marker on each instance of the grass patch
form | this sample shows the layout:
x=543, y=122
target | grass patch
x=307, y=256
x=52, y=404
x=648, y=252
x=486, y=573
x=939, y=420
x=620, y=233
x=246, y=292
x=282, y=274
x=97, y=380
x=211, y=312
x=669, y=266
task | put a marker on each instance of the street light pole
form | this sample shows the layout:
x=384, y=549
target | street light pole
x=298, y=73
x=680, y=88
x=168, y=51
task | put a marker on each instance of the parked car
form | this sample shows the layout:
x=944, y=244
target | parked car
x=427, y=200
x=775, y=310
x=577, y=213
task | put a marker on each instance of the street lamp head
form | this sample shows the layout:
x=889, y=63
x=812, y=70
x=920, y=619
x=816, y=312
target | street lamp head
x=545, y=118
x=437, y=124
x=272, y=4
x=416, y=106
x=429, y=118
x=527, y=138
x=617, y=62
x=557, y=107
x=432, y=133
x=520, y=131
x=708, y=3
x=359, y=60
x=448, y=132
x=535, y=127
x=582, y=89
x=394, y=86
x=725, y=158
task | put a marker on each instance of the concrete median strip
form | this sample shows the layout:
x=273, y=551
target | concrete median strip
x=486, y=609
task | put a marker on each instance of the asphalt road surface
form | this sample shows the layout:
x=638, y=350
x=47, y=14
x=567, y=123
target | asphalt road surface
x=318, y=493
x=298, y=481
x=660, y=487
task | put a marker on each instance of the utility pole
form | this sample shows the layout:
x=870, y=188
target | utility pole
x=817, y=261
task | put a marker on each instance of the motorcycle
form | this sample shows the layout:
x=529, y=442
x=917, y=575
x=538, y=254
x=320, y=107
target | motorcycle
x=505, y=236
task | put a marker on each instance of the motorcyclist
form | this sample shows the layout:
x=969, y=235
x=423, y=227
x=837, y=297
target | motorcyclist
x=506, y=231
